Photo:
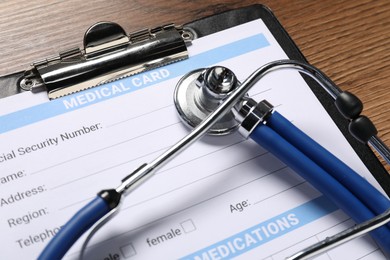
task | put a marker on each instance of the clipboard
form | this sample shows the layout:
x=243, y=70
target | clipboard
x=201, y=28
x=228, y=19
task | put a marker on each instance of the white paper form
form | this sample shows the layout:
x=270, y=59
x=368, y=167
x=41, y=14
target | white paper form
x=223, y=197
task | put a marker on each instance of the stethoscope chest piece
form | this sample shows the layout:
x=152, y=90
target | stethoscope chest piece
x=199, y=92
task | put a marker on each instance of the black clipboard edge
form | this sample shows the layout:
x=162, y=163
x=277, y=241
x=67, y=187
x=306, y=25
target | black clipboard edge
x=231, y=18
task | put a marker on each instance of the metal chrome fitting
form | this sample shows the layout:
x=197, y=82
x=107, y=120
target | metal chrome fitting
x=251, y=114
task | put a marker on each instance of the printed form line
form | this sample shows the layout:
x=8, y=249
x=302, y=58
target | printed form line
x=290, y=188
x=370, y=253
x=141, y=115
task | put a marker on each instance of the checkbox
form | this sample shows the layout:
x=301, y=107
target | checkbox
x=188, y=226
x=128, y=250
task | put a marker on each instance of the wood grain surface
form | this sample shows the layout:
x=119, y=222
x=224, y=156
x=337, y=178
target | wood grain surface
x=348, y=40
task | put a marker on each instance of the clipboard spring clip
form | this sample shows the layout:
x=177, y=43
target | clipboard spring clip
x=108, y=54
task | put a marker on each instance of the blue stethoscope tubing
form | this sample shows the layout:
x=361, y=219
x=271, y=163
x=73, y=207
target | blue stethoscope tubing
x=84, y=219
x=347, y=189
x=325, y=172
x=354, y=182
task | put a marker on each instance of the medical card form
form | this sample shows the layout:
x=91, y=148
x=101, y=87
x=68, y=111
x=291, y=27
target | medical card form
x=223, y=197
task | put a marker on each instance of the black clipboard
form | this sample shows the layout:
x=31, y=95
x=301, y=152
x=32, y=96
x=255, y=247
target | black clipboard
x=228, y=19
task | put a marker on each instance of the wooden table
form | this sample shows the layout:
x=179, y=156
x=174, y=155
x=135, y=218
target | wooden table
x=348, y=40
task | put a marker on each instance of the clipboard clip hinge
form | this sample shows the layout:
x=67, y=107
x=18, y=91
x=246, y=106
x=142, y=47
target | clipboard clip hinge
x=108, y=54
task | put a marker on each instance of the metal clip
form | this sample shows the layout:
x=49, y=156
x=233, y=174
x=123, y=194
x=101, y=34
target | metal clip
x=108, y=54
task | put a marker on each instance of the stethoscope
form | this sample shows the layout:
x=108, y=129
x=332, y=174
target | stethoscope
x=213, y=101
